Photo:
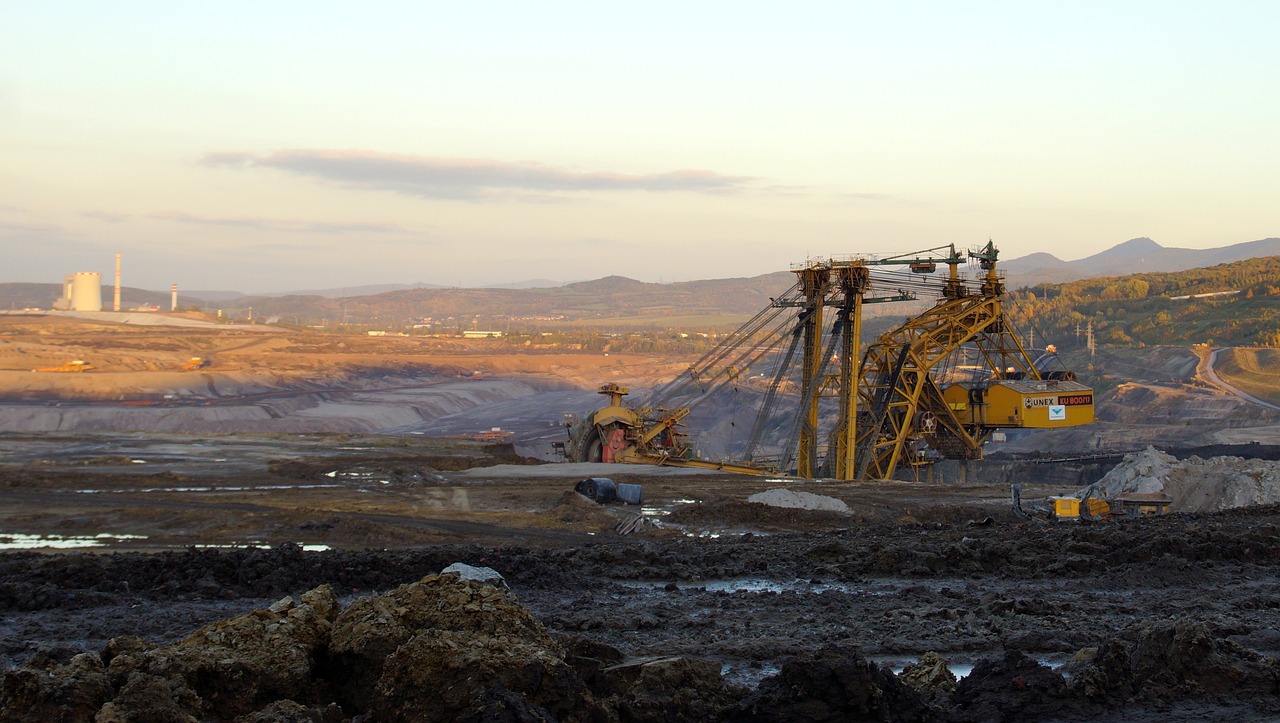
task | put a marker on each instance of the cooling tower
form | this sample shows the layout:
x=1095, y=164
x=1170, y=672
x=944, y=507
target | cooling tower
x=83, y=291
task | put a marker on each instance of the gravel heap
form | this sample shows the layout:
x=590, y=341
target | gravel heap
x=1195, y=484
x=781, y=497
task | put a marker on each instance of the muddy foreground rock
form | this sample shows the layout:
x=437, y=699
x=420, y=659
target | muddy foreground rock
x=440, y=649
x=447, y=649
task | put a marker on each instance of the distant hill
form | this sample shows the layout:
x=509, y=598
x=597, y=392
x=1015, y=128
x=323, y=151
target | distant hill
x=1235, y=303
x=224, y=296
x=42, y=296
x=612, y=296
x=348, y=291
x=623, y=302
x=213, y=296
x=1133, y=256
x=530, y=284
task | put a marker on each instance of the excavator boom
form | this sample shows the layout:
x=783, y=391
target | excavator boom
x=901, y=403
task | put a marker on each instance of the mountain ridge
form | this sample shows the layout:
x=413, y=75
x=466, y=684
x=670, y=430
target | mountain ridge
x=1137, y=255
x=708, y=301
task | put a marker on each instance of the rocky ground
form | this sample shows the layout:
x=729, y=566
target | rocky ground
x=1168, y=619
x=727, y=610
x=156, y=569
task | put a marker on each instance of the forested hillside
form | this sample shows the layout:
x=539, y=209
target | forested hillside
x=1144, y=309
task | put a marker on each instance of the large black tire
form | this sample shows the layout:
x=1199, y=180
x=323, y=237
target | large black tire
x=593, y=450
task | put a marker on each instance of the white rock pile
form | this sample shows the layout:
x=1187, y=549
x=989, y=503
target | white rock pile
x=1195, y=484
x=781, y=497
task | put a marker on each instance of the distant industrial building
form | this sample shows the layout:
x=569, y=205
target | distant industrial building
x=81, y=291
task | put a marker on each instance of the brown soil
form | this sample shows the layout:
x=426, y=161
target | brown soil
x=806, y=613
x=143, y=362
x=718, y=609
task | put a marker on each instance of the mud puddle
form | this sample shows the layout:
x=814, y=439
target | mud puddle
x=20, y=541
x=881, y=587
x=210, y=488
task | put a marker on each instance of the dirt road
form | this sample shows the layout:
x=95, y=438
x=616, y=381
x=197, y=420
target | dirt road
x=1206, y=372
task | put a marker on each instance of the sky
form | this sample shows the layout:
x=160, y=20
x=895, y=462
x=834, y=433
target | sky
x=274, y=146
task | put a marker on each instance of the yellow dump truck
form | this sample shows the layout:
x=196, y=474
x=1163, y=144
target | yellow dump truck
x=75, y=365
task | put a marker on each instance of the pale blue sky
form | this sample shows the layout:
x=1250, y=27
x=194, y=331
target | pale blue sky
x=271, y=146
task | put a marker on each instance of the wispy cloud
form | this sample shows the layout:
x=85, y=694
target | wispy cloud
x=279, y=224
x=468, y=178
x=107, y=216
x=30, y=228
x=9, y=208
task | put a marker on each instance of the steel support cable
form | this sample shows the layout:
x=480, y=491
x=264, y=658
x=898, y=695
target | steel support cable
x=766, y=346
x=744, y=333
x=903, y=277
x=933, y=337
x=698, y=375
x=1032, y=323
x=949, y=363
x=706, y=381
x=919, y=280
x=866, y=449
x=807, y=396
x=993, y=344
x=769, y=403
x=699, y=369
x=738, y=338
x=842, y=327
x=754, y=353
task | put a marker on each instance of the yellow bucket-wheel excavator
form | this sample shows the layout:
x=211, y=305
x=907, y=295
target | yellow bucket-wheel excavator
x=935, y=387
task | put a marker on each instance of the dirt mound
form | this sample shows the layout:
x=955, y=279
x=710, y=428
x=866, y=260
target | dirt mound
x=221, y=671
x=441, y=649
x=832, y=684
x=1014, y=687
x=1194, y=484
x=668, y=689
x=574, y=509
x=931, y=673
x=1172, y=659
x=370, y=636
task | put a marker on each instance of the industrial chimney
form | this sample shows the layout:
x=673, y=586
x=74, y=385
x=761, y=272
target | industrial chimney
x=174, y=301
x=116, y=305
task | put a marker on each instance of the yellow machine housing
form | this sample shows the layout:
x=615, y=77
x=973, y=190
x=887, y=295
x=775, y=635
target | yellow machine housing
x=1030, y=404
x=1066, y=507
x=615, y=412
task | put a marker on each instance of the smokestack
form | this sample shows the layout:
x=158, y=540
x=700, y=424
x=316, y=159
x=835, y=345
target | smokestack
x=116, y=306
x=174, y=303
